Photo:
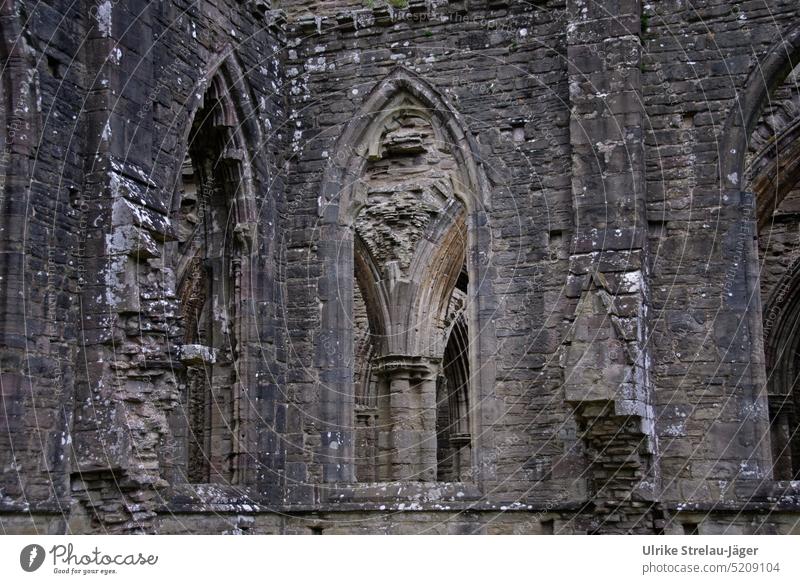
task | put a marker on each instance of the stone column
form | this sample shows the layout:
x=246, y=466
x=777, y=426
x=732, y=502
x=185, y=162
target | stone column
x=407, y=419
x=607, y=362
x=401, y=425
x=426, y=394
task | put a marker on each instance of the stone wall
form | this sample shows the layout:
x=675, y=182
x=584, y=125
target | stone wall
x=614, y=297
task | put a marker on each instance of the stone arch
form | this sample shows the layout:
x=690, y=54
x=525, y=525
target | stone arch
x=343, y=197
x=782, y=57
x=440, y=261
x=758, y=174
x=772, y=162
x=348, y=160
x=368, y=279
x=216, y=218
x=774, y=173
x=226, y=78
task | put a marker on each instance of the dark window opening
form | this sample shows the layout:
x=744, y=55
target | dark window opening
x=453, y=437
x=206, y=427
x=54, y=67
x=783, y=393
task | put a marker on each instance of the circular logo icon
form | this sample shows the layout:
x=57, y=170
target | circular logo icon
x=31, y=557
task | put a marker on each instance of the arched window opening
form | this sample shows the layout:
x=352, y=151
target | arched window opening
x=365, y=381
x=773, y=175
x=211, y=250
x=409, y=248
x=453, y=438
x=406, y=195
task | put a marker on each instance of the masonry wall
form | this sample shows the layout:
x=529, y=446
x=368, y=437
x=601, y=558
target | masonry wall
x=330, y=74
x=621, y=291
x=115, y=91
x=712, y=415
x=43, y=146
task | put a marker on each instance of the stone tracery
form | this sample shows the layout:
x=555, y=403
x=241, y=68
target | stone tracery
x=408, y=187
x=211, y=258
x=407, y=205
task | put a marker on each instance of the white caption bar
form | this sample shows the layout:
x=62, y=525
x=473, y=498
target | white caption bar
x=406, y=559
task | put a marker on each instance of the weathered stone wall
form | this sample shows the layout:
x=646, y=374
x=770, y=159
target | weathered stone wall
x=711, y=410
x=41, y=186
x=116, y=91
x=329, y=76
x=618, y=379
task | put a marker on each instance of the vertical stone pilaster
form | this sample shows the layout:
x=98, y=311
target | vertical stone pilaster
x=334, y=356
x=606, y=365
x=739, y=328
x=120, y=413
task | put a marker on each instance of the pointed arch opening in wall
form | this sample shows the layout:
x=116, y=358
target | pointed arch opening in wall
x=760, y=168
x=213, y=258
x=749, y=104
x=404, y=212
x=773, y=175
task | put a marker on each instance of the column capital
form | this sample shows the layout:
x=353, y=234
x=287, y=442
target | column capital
x=411, y=366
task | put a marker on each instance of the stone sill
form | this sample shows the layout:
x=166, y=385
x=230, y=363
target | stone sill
x=381, y=497
x=373, y=507
x=391, y=492
x=37, y=508
x=747, y=495
x=396, y=495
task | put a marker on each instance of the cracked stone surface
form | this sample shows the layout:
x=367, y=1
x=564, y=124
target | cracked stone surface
x=367, y=266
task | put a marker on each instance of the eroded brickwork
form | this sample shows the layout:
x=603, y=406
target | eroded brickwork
x=478, y=266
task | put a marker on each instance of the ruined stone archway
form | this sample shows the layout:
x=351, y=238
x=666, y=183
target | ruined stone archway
x=418, y=270
x=213, y=427
x=760, y=170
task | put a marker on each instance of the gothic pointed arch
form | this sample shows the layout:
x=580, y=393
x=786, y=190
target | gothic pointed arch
x=749, y=104
x=760, y=172
x=226, y=83
x=406, y=194
x=774, y=172
x=359, y=141
x=218, y=257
